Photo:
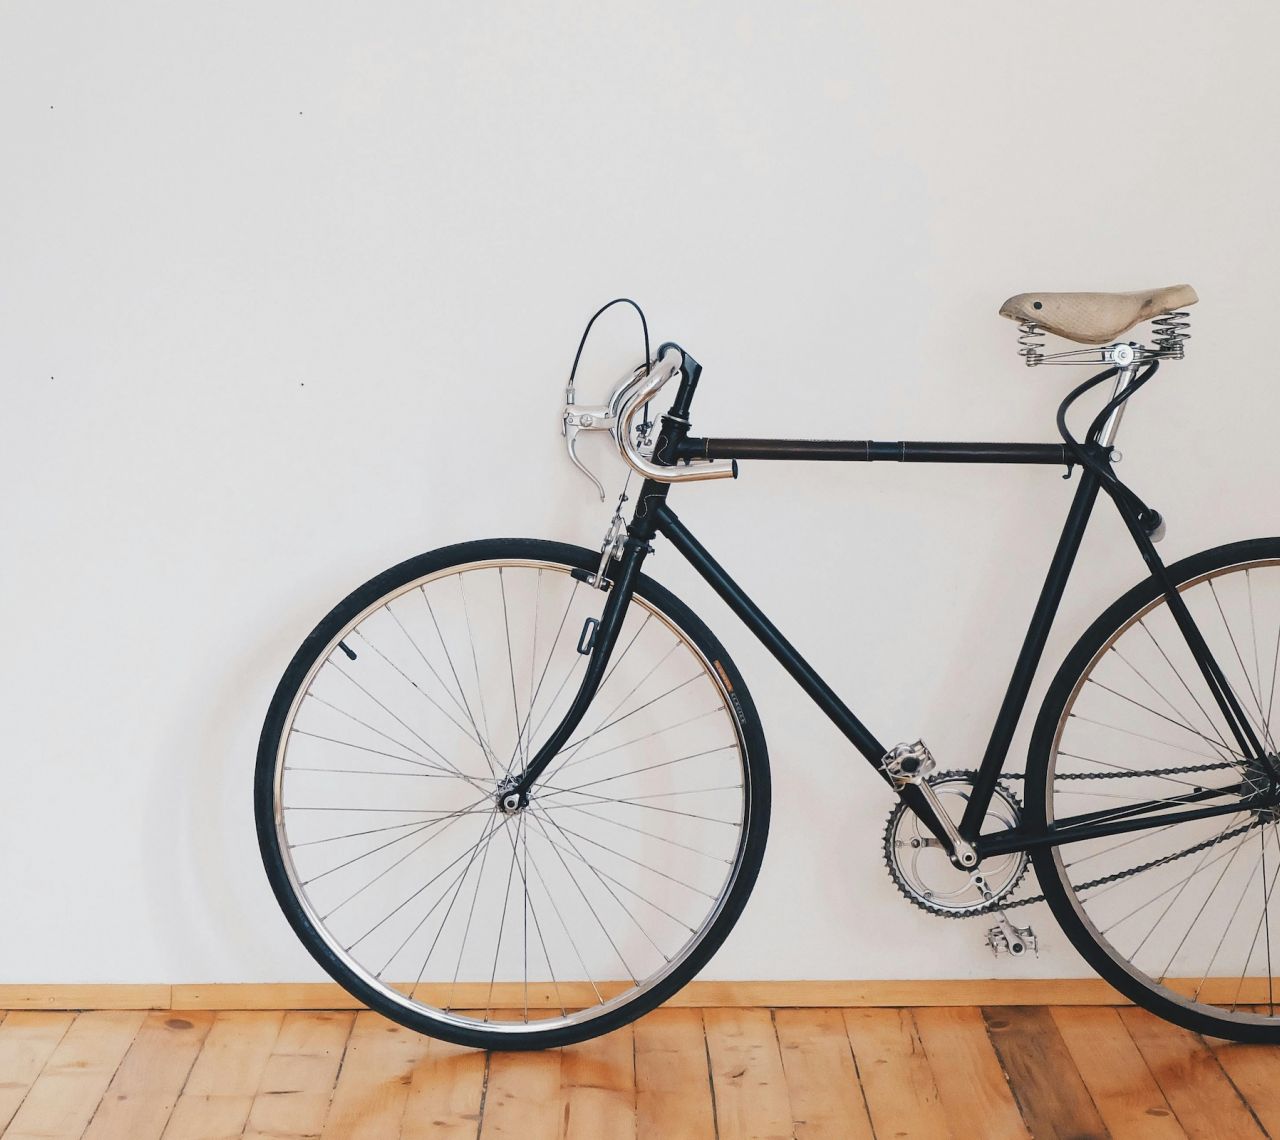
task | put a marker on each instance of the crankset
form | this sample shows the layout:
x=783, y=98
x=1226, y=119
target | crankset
x=918, y=862
x=921, y=870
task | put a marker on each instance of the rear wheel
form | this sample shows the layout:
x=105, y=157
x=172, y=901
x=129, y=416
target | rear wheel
x=377, y=798
x=1179, y=917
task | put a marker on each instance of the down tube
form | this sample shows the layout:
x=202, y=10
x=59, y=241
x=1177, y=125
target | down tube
x=770, y=636
x=789, y=657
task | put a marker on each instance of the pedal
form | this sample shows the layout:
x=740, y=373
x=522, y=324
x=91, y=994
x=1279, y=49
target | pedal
x=909, y=763
x=1016, y=941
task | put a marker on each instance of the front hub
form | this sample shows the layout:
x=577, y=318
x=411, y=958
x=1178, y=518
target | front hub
x=508, y=796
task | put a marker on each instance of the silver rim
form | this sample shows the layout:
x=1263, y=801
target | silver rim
x=1186, y=910
x=386, y=815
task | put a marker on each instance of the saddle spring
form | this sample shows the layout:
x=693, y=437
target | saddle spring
x=1170, y=334
x=1030, y=342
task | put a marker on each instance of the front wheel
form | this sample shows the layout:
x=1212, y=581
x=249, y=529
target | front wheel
x=376, y=798
x=1177, y=917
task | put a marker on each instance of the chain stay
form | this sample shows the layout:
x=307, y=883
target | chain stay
x=1118, y=875
x=1006, y=904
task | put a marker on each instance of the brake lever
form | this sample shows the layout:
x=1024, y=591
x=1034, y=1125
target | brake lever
x=580, y=418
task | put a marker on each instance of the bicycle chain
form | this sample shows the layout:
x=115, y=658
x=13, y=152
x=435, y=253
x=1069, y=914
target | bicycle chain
x=1118, y=875
x=1003, y=904
x=1183, y=771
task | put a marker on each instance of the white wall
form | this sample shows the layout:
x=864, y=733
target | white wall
x=289, y=292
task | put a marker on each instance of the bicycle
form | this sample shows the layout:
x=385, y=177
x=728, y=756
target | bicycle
x=514, y=793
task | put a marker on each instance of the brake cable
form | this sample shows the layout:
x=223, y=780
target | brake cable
x=644, y=328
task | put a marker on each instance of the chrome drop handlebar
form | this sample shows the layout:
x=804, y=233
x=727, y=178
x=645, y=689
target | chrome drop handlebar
x=617, y=417
x=667, y=366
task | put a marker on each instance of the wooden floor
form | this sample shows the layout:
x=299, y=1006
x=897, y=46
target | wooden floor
x=728, y=1073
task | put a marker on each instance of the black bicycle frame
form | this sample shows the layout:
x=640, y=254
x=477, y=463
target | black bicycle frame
x=653, y=517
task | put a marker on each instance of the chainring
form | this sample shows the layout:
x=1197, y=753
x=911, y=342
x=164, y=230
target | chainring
x=940, y=888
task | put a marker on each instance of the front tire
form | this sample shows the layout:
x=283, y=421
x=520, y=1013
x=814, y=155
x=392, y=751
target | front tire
x=395, y=724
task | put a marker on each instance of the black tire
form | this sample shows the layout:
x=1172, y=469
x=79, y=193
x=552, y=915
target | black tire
x=1109, y=963
x=755, y=767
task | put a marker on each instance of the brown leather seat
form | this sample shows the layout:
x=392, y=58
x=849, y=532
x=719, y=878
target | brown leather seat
x=1096, y=318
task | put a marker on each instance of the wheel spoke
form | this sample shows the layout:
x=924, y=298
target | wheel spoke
x=1146, y=736
x=1179, y=723
x=472, y=733
x=396, y=910
x=424, y=759
x=457, y=886
x=1178, y=715
x=573, y=854
x=596, y=798
x=511, y=669
x=594, y=913
x=390, y=842
x=502, y=925
x=654, y=767
x=471, y=640
x=500, y=822
x=640, y=926
x=1257, y=697
x=444, y=774
x=449, y=765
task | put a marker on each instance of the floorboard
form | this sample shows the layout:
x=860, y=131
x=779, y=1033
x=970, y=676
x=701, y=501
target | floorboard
x=747, y=1078
x=74, y=1079
x=1115, y=1073
x=26, y=1041
x=219, y=1092
x=822, y=1077
x=1002, y=1073
x=897, y=1079
x=446, y=1094
x=373, y=1084
x=1053, y=1098
x=971, y=1081
x=296, y=1088
x=674, y=1100
x=142, y=1094
x=598, y=1087
x=1201, y=1095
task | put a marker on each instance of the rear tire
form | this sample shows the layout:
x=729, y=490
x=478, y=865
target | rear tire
x=1128, y=717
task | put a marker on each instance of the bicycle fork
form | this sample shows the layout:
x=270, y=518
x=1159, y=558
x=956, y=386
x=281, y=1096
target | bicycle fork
x=513, y=792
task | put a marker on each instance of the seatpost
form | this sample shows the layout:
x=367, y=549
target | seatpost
x=1123, y=378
